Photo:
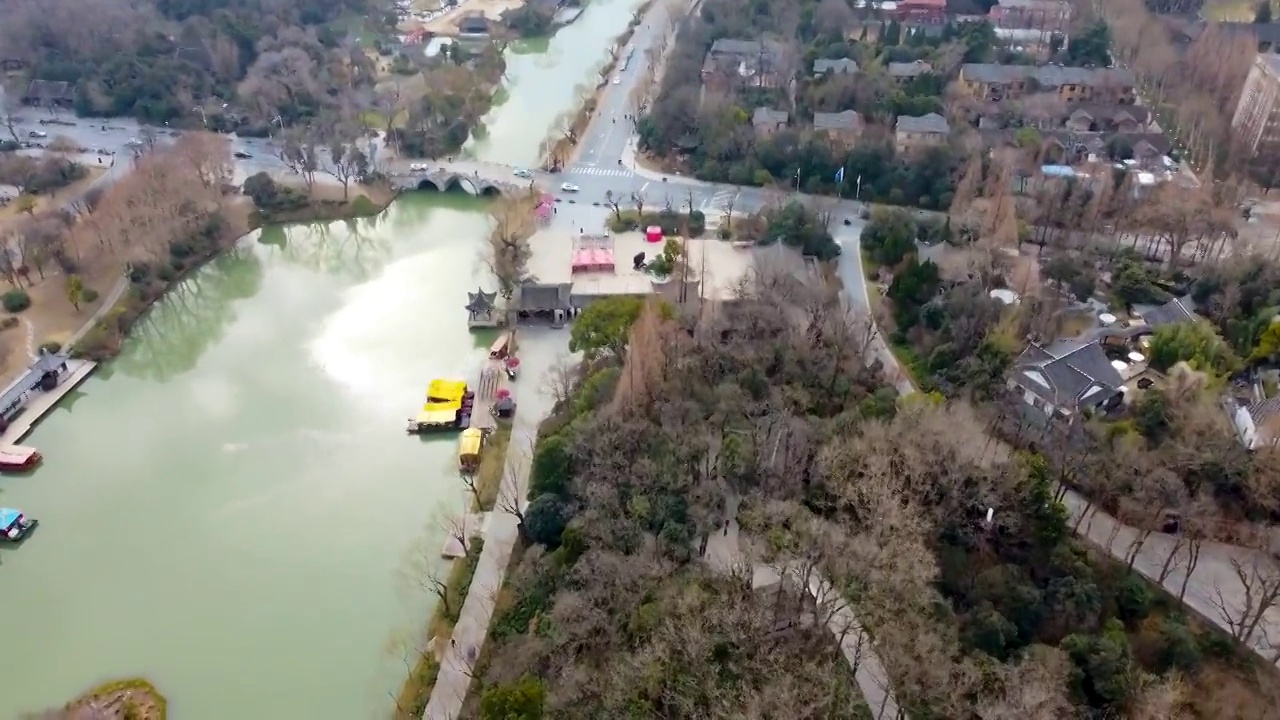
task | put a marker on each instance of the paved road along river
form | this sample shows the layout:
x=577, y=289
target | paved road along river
x=228, y=509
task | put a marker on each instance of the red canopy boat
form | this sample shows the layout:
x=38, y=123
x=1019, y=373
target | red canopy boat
x=14, y=458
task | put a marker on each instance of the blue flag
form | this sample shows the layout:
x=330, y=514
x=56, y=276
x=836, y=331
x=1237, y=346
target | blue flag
x=840, y=175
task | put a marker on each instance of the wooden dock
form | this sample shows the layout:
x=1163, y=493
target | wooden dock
x=40, y=403
x=492, y=377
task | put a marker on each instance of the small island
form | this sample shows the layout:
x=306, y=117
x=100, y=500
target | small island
x=132, y=699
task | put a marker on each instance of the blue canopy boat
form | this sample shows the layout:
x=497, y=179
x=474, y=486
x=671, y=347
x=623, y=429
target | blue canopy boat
x=14, y=526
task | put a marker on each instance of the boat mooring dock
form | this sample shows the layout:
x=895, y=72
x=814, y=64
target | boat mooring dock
x=40, y=402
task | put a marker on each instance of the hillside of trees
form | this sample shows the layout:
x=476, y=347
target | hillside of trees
x=767, y=411
x=158, y=60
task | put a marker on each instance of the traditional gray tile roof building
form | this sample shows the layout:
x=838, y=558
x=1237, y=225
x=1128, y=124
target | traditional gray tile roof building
x=841, y=121
x=932, y=123
x=48, y=92
x=840, y=66
x=769, y=119
x=544, y=297
x=1066, y=376
x=909, y=70
x=1177, y=310
x=1047, y=75
x=757, y=54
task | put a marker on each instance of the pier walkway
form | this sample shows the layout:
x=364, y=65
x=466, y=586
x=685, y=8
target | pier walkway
x=41, y=403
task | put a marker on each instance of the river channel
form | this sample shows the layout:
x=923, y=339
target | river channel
x=230, y=509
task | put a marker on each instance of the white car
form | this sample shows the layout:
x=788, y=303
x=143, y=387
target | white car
x=522, y=173
x=133, y=143
x=417, y=167
x=38, y=134
x=569, y=188
x=617, y=81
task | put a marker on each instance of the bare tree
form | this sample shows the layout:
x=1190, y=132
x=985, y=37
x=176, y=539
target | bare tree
x=508, y=251
x=638, y=198
x=615, y=203
x=301, y=154
x=1244, y=607
x=346, y=162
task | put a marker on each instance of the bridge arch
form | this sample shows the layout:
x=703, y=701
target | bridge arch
x=447, y=182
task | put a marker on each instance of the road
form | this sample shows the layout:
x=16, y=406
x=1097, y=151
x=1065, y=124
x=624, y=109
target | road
x=603, y=144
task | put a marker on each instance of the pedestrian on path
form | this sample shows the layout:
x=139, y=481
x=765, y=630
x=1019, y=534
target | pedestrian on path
x=726, y=527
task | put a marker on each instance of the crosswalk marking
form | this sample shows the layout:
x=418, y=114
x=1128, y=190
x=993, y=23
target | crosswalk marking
x=720, y=201
x=599, y=171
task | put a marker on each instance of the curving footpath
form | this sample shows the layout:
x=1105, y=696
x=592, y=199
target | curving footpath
x=724, y=555
x=1214, y=582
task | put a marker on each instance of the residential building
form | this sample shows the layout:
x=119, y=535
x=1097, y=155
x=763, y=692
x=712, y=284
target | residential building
x=842, y=127
x=768, y=121
x=838, y=66
x=1066, y=378
x=914, y=133
x=1075, y=117
x=1110, y=118
x=1052, y=16
x=1068, y=147
x=924, y=12
x=993, y=83
x=733, y=64
x=902, y=72
x=1257, y=116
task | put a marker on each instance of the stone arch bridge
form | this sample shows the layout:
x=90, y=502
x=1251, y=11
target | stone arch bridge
x=474, y=178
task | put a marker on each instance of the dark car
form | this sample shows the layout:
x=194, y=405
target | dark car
x=241, y=155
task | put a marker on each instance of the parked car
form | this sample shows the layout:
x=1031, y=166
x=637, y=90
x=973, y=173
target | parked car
x=37, y=134
x=241, y=155
x=522, y=173
x=569, y=188
x=417, y=167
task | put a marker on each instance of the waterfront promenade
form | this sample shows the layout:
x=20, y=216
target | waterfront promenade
x=538, y=350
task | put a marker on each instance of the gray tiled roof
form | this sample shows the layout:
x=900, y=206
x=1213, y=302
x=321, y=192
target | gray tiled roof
x=1110, y=112
x=840, y=67
x=1094, y=142
x=1048, y=75
x=767, y=116
x=1262, y=411
x=931, y=123
x=910, y=69
x=746, y=48
x=538, y=296
x=1071, y=368
x=1175, y=311
x=846, y=120
x=28, y=381
x=48, y=91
